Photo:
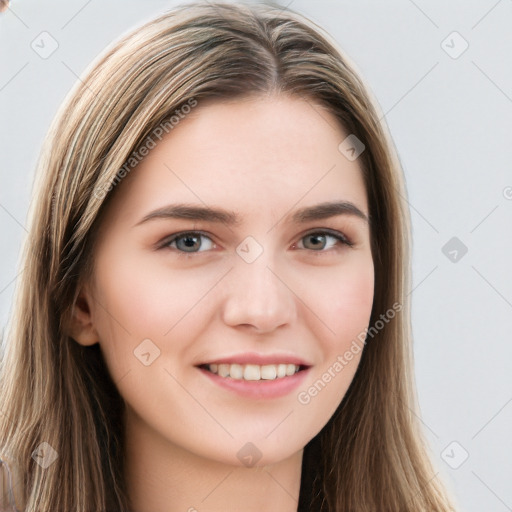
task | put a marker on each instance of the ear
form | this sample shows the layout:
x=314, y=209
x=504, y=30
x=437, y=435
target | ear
x=81, y=326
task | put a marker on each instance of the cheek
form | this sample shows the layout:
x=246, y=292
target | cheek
x=131, y=307
x=141, y=298
x=137, y=301
x=352, y=300
x=342, y=300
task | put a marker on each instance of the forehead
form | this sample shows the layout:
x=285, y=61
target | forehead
x=253, y=155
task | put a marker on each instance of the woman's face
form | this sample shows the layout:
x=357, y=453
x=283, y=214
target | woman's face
x=255, y=299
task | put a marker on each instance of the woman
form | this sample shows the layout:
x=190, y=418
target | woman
x=213, y=313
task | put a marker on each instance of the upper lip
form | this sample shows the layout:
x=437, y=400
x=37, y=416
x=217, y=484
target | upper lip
x=259, y=359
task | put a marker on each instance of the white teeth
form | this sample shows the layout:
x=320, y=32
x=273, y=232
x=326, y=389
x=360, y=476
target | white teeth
x=269, y=372
x=251, y=372
x=254, y=371
x=290, y=369
x=223, y=370
x=236, y=371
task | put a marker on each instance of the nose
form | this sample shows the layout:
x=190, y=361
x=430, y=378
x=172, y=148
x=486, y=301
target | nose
x=258, y=297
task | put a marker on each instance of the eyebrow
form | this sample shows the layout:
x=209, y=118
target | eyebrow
x=230, y=218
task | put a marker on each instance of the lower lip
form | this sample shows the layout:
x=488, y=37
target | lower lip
x=259, y=388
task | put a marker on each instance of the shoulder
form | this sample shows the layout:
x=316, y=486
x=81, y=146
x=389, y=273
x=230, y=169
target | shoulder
x=10, y=483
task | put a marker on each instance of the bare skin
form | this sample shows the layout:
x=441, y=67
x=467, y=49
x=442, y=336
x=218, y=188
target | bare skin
x=192, y=444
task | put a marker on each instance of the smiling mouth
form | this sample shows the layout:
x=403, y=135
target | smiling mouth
x=254, y=372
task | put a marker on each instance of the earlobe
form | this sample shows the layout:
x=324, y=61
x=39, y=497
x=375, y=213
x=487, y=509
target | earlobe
x=81, y=327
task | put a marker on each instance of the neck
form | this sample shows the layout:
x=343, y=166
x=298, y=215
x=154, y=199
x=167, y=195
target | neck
x=163, y=477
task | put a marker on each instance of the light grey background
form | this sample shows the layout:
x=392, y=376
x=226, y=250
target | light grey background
x=451, y=121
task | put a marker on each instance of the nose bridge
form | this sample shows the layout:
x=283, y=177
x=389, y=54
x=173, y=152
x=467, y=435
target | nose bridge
x=256, y=295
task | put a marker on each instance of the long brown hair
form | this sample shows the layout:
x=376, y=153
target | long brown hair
x=371, y=454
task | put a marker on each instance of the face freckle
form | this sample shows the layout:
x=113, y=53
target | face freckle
x=257, y=293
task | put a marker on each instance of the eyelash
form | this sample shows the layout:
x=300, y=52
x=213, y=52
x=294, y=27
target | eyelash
x=334, y=234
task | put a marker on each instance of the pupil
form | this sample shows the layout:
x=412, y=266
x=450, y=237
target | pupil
x=189, y=241
x=317, y=240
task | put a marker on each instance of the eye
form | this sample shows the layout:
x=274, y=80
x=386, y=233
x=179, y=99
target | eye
x=190, y=241
x=316, y=241
x=320, y=241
